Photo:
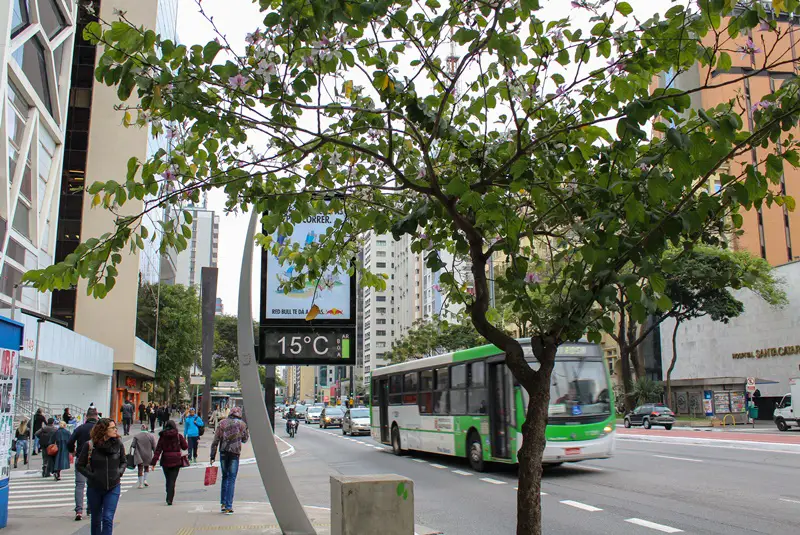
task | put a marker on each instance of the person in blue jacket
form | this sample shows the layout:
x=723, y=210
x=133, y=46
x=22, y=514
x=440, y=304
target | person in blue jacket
x=191, y=429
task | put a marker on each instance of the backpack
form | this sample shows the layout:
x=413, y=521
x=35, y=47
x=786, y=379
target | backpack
x=201, y=429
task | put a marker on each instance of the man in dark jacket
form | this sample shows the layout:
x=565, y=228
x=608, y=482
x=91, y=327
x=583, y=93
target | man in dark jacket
x=45, y=435
x=81, y=436
x=38, y=422
x=127, y=416
x=142, y=412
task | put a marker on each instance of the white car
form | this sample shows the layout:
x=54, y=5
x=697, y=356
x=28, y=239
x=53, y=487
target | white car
x=312, y=416
x=356, y=422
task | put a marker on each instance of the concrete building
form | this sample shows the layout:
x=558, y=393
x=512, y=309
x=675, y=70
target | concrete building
x=380, y=327
x=219, y=308
x=300, y=381
x=202, y=249
x=770, y=232
x=764, y=342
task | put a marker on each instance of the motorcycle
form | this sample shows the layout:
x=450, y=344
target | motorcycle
x=291, y=426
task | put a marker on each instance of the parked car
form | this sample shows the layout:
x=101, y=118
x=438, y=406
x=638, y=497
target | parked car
x=784, y=415
x=312, y=415
x=331, y=417
x=649, y=415
x=356, y=422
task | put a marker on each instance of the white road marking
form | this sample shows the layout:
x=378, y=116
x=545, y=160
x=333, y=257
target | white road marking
x=419, y=460
x=462, y=472
x=653, y=525
x=492, y=481
x=54, y=503
x=687, y=459
x=439, y=466
x=579, y=505
x=590, y=467
x=790, y=501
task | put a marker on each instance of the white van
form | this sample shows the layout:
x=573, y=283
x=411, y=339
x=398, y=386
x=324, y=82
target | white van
x=784, y=415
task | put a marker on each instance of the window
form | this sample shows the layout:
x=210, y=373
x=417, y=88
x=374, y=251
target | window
x=34, y=66
x=440, y=405
x=22, y=219
x=381, y=310
x=380, y=333
x=410, y=382
x=477, y=393
x=380, y=264
x=442, y=379
x=458, y=392
x=426, y=392
x=380, y=254
x=426, y=380
x=19, y=17
x=375, y=391
x=395, y=389
x=458, y=402
x=458, y=376
x=380, y=298
x=380, y=356
x=380, y=344
x=366, y=325
x=380, y=243
x=380, y=321
x=51, y=17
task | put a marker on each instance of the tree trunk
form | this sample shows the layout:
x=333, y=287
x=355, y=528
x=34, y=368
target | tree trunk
x=633, y=348
x=672, y=362
x=529, y=497
x=624, y=355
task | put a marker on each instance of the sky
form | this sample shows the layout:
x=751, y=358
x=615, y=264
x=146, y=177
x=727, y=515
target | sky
x=235, y=19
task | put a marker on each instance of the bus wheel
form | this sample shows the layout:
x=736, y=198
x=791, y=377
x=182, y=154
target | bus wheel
x=475, y=452
x=396, y=449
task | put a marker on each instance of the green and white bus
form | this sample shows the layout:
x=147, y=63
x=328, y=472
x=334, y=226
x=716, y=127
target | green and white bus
x=468, y=404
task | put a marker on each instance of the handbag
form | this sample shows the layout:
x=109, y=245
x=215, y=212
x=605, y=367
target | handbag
x=185, y=461
x=211, y=476
x=130, y=459
x=14, y=445
x=52, y=450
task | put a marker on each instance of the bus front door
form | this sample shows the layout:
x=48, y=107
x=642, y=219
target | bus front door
x=383, y=401
x=500, y=410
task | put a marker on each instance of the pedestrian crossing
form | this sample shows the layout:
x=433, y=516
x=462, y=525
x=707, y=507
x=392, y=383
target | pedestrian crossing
x=40, y=493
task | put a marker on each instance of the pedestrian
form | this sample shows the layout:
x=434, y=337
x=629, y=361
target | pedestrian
x=169, y=447
x=143, y=446
x=216, y=416
x=38, y=421
x=142, y=412
x=191, y=428
x=21, y=437
x=102, y=461
x=163, y=416
x=151, y=414
x=81, y=436
x=229, y=436
x=67, y=416
x=61, y=458
x=45, y=436
x=127, y=416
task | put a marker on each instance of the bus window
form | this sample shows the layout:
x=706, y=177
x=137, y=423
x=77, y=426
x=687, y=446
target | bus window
x=458, y=376
x=440, y=402
x=410, y=381
x=375, y=393
x=477, y=394
x=458, y=402
x=442, y=379
x=395, y=389
x=426, y=392
x=426, y=380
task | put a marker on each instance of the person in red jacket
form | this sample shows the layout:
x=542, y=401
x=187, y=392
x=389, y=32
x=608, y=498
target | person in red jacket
x=169, y=449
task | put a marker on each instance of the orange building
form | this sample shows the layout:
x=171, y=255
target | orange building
x=770, y=231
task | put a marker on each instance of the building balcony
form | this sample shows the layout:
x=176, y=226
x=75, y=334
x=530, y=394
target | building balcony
x=145, y=356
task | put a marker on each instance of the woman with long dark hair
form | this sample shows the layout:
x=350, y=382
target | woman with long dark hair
x=169, y=449
x=102, y=461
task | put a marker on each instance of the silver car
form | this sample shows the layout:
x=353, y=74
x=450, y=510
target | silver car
x=356, y=422
x=312, y=415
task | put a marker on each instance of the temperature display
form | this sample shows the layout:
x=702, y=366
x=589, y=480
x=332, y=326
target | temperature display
x=312, y=346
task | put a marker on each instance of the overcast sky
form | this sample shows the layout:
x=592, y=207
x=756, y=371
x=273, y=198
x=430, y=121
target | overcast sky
x=235, y=19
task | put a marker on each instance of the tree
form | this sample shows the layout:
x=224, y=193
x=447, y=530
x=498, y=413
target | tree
x=701, y=283
x=226, y=343
x=432, y=337
x=647, y=390
x=528, y=141
x=178, y=343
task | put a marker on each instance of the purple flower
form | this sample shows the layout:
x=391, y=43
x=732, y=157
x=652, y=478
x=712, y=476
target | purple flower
x=560, y=92
x=558, y=34
x=237, y=82
x=749, y=47
x=437, y=287
x=171, y=133
x=577, y=5
x=764, y=104
x=421, y=173
x=171, y=173
x=532, y=278
x=309, y=61
x=764, y=26
x=614, y=66
x=254, y=38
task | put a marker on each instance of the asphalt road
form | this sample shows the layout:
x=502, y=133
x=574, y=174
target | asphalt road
x=646, y=488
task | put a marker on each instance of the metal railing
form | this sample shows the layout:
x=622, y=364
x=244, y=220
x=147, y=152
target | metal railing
x=23, y=409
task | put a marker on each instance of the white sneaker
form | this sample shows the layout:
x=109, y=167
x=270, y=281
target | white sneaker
x=141, y=486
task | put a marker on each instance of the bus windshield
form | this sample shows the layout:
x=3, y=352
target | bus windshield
x=578, y=387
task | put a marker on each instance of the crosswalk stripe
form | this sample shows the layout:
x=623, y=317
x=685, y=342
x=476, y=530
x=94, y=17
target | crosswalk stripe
x=59, y=503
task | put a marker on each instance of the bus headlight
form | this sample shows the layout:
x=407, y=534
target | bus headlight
x=607, y=429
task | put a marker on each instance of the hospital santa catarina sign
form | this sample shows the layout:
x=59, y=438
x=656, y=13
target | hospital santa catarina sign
x=285, y=337
x=769, y=352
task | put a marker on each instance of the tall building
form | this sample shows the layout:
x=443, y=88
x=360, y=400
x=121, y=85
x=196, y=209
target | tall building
x=202, y=249
x=219, y=308
x=379, y=310
x=98, y=148
x=37, y=46
x=771, y=232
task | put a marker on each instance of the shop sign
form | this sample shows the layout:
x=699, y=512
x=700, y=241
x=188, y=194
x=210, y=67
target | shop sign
x=130, y=382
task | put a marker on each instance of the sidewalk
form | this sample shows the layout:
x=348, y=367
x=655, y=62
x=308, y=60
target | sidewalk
x=784, y=443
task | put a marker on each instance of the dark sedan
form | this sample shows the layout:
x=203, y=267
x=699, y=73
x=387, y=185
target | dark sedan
x=649, y=415
x=331, y=417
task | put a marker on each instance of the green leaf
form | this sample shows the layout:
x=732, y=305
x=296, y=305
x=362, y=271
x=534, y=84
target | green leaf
x=664, y=303
x=724, y=62
x=658, y=282
x=210, y=51
x=465, y=35
x=624, y=8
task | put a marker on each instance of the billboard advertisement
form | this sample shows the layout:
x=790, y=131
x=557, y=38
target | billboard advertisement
x=331, y=293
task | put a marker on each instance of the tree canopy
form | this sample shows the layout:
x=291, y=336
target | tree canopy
x=433, y=337
x=474, y=127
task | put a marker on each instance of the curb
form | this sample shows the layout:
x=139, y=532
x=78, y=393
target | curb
x=779, y=447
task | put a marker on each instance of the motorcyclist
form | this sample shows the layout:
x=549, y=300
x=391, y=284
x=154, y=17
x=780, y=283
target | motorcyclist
x=291, y=419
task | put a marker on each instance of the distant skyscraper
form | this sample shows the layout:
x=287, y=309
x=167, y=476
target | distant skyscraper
x=220, y=308
x=202, y=249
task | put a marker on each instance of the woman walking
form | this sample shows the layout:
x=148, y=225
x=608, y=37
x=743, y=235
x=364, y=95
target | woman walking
x=152, y=414
x=170, y=445
x=38, y=422
x=143, y=446
x=142, y=412
x=21, y=437
x=61, y=458
x=45, y=436
x=102, y=462
x=67, y=416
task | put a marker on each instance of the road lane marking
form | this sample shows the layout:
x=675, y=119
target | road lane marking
x=439, y=466
x=540, y=492
x=678, y=458
x=790, y=501
x=590, y=467
x=653, y=525
x=579, y=505
x=419, y=460
x=492, y=481
x=462, y=472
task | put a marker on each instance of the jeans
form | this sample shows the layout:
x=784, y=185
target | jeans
x=171, y=475
x=80, y=491
x=104, y=504
x=230, y=467
x=193, y=443
x=22, y=448
x=126, y=426
x=36, y=446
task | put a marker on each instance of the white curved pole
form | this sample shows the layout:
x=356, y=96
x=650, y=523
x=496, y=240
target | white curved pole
x=291, y=516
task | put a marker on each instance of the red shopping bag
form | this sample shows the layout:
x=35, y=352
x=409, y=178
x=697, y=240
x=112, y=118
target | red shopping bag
x=211, y=476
